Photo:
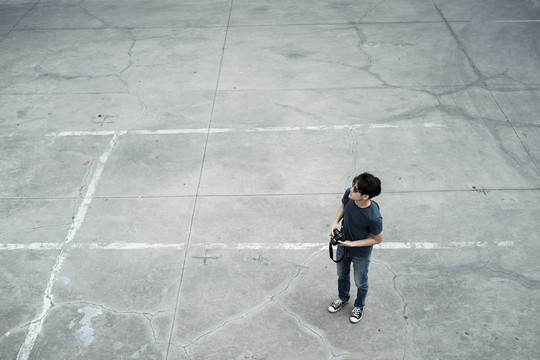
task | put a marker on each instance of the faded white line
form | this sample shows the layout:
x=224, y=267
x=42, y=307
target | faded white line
x=31, y=246
x=231, y=130
x=134, y=246
x=261, y=246
x=441, y=246
x=251, y=246
x=36, y=324
x=81, y=133
x=91, y=246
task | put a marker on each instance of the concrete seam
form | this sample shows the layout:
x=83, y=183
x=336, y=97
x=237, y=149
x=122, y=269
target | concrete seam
x=531, y=158
x=460, y=44
x=348, y=23
x=483, y=190
x=199, y=184
x=18, y=22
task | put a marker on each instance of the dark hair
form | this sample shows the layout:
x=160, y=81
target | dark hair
x=368, y=184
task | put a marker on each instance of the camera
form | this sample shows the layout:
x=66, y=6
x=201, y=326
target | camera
x=338, y=236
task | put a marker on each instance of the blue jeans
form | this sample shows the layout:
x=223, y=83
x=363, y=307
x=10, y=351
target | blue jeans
x=360, y=266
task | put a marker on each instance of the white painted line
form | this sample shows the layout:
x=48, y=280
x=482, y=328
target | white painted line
x=230, y=130
x=261, y=246
x=382, y=246
x=134, y=246
x=430, y=125
x=252, y=246
x=383, y=126
x=32, y=246
x=36, y=324
x=439, y=246
x=86, y=133
x=91, y=246
x=80, y=133
x=171, y=131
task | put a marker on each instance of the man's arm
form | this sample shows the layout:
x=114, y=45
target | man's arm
x=373, y=240
x=339, y=216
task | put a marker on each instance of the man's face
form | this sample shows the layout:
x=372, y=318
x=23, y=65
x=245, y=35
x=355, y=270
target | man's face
x=355, y=193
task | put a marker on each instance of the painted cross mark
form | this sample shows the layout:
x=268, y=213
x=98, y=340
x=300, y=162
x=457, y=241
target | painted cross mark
x=205, y=257
x=103, y=119
x=261, y=260
x=482, y=190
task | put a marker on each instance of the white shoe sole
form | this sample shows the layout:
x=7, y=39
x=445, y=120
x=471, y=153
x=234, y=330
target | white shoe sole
x=355, y=320
x=332, y=310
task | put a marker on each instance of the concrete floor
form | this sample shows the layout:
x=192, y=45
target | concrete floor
x=170, y=169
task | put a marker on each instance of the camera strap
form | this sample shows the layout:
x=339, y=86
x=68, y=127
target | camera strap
x=331, y=253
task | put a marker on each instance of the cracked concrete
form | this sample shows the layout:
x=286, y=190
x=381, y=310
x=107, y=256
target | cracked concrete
x=405, y=314
x=169, y=172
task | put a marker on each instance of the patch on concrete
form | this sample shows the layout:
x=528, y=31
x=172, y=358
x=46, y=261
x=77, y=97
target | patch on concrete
x=85, y=335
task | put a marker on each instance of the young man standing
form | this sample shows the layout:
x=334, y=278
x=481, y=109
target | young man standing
x=363, y=228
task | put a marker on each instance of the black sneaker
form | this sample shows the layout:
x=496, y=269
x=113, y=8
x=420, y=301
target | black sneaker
x=356, y=314
x=337, y=305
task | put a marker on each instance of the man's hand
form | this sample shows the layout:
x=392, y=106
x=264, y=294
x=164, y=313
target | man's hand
x=374, y=240
x=334, y=227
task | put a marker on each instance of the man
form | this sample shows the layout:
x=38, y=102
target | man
x=363, y=228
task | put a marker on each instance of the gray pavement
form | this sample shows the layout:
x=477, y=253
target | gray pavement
x=169, y=171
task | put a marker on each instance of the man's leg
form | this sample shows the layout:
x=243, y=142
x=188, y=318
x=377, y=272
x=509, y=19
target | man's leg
x=361, y=266
x=344, y=278
x=344, y=282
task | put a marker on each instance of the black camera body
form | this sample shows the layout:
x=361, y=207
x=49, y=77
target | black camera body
x=338, y=236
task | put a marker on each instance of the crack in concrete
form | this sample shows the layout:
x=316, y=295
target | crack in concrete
x=403, y=300
x=362, y=40
x=254, y=310
x=86, y=178
x=87, y=12
x=149, y=316
x=511, y=275
x=65, y=249
x=354, y=155
x=505, y=274
x=407, y=115
x=489, y=123
x=370, y=10
x=300, y=111
x=19, y=21
x=221, y=326
x=144, y=110
x=531, y=158
x=460, y=45
x=483, y=82
x=450, y=274
x=300, y=267
x=320, y=338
